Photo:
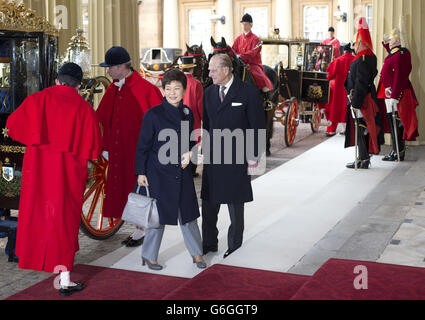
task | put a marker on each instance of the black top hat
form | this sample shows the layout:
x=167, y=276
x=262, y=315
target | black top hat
x=115, y=56
x=331, y=29
x=72, y=70
x=247, y=18
x=187, y=62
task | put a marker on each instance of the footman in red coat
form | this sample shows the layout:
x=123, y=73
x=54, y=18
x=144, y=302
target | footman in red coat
x=336, y=109
x=61, y=133
x=397, y=91
x=193, y=99
x=120, y=113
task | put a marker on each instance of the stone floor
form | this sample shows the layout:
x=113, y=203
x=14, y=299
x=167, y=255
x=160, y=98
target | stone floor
x=13, y=279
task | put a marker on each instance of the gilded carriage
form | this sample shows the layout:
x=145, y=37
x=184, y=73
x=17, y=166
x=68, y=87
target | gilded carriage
x=303, y=84
x=29, y=61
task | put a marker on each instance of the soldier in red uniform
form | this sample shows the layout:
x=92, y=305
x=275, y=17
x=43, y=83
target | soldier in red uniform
x=334, y=42
x=61, y=133
x=120, y=113
x=193, y=98
x=336, y=109
x=397, y=91
x=248, y=47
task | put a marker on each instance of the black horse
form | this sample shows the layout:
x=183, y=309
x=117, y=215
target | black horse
x=270, y=99
x=201, y=70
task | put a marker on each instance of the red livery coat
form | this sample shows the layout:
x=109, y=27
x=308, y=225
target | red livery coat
x=61, y=133
x=193, y=98
x=121, y=112
x=335, y=44
x=395, y=75
x=336, y=109
x=249, y=48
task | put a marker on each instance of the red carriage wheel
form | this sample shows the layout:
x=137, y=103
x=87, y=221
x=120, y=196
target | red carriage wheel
x=291, y=122
x=93, y=223
x=316, y=118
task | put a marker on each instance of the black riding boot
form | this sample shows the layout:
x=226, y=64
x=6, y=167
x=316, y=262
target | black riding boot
x=364, y=157
x=401, y=143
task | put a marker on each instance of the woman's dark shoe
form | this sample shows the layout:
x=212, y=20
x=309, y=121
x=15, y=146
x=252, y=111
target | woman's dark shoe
x=200, y=264
x=68, y=291
x=362, y=164
x=330, y=134
x=152, y=266
x=135, y=243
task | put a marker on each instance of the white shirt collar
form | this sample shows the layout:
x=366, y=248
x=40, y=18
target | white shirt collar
x=121, y=82
x=228, y=85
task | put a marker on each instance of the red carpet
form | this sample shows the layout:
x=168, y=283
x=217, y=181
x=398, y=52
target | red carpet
x=106, y=284
x=221, y=282
x=335, y=281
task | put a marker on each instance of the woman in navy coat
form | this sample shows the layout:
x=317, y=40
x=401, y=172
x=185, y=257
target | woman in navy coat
x=163, y=163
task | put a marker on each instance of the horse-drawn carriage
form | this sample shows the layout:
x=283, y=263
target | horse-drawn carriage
x=303, y=86
x=29, y=61
x=297, y=70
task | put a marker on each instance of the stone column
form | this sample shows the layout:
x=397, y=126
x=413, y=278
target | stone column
x=39, y=6
x=346, y=29
x=225, y=8
x=171, y=29
x=113, y=23
x=386, y=16
x=67, y=13
x=284, y=17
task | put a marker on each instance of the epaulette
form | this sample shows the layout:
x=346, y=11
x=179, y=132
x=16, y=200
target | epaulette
x=364, y=57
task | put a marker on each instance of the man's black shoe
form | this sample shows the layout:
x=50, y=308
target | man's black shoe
x=228, y=253
x=135, y=243
x=210, y=249
x=68, y=291
x=126, y=240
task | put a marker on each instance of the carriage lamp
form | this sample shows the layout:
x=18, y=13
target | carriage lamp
x=79, y=52
x=340, y=16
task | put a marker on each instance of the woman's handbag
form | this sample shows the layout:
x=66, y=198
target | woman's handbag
x=141, y=210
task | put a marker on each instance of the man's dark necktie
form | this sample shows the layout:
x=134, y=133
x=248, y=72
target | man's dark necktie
x=222, y=93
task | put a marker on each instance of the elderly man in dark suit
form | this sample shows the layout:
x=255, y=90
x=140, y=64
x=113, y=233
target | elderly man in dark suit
x=235, y=107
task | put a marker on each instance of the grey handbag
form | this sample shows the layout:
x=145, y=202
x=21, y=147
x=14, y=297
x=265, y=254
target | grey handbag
x=141, y=210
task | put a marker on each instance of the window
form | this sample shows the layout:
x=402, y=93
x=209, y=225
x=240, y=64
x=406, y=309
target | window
x=260, y=16
x=316, y=19
x=200, y=28
x=369, y=15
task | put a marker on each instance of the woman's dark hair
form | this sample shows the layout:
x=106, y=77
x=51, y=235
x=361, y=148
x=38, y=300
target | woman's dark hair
x=174, y=75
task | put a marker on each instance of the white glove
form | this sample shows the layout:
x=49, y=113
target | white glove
x=357, y=113
x=394, y=102
x=388, y=93
x=105, y=154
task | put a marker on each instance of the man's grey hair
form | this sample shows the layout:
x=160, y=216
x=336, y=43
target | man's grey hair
x=224, y=61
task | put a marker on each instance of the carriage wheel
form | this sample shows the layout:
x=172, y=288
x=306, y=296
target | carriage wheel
x=316, y=119
x=291, y=122
x=93, y=223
